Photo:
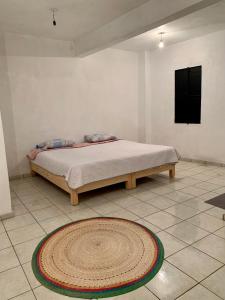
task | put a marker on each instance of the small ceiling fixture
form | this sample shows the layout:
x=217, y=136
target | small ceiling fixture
x=53, y=10
x=161, y=42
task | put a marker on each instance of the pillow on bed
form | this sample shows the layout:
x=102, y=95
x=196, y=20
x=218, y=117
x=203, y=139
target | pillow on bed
x=55, y=143
x=98, y=137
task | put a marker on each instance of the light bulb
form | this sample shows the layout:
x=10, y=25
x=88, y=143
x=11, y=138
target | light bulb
x=161, y=44
x=53, y=10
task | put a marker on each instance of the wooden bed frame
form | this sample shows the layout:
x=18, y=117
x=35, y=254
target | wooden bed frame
x=129, y=179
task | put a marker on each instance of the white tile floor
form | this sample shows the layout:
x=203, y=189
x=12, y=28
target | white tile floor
x=192, y=231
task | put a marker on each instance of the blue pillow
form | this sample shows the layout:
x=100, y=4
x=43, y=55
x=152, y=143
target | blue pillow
x=55, y=143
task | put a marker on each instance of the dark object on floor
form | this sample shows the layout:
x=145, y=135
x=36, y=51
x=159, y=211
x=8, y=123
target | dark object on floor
x=218, y=201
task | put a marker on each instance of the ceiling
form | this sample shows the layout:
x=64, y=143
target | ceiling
x=74, y=17
x=202, y=22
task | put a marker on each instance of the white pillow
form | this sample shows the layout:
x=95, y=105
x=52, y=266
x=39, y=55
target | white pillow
x=98, y=137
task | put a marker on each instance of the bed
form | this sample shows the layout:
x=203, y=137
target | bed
x=77, y=170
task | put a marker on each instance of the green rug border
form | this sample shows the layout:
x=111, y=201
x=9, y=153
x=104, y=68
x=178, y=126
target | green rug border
x=103, y=294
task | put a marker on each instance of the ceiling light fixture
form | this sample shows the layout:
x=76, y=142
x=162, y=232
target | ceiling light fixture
x=53, y=10
x=161, y=42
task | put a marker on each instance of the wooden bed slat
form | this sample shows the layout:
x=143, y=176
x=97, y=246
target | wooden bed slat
x=57, y=180
x=129, y=179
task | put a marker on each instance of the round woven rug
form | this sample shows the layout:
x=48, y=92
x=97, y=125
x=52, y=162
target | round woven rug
x=97, y=258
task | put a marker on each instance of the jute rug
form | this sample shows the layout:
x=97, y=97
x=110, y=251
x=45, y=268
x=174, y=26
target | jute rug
x=97, y=258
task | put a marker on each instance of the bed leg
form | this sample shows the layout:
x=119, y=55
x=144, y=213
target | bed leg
x=32, y=173
x=131, y=183
x=74, y=197
x=172, y=171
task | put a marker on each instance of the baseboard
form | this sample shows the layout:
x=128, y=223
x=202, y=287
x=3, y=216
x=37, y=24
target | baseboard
x=204, y=162
x=7, y=216
x=22, y=176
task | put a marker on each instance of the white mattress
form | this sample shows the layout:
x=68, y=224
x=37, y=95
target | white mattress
x=80, y=166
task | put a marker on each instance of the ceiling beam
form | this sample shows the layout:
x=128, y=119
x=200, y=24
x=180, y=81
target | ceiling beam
x=148, y=16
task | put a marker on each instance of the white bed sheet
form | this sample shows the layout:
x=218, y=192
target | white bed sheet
x=80, y=166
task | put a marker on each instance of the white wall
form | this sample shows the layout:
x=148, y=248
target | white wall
x=5, y=200
x=207, y=140
x=6, y=110
x=46, y=93
x=54, y=95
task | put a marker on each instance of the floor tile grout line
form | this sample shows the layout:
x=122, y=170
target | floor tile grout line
x=146, y=215
x=199, y=213
x=214, y=233
x=192, y=245
x=142, y=219
x=202, y=211
x=190, y=176
x=32, y=239
x=22, y=203
x=145, y=201
x=161, y=194
x=193, y=288
x=206, y=252
x=56, y=205
x=164, y=230
x=207, y=278
x=52, y=217
x=46, y=219
x=151, y=291
x=20, y=227
x=182, y=220
x=180, y=189
x=6, y=248
x=200, y=283
x=196, y=282
x=45, y=231
x=213, y=215
x=137, y=215
x=53, y=205
x=23, y=228
x=14, y=297
x=189, y=274
x=27, y=262
x=11, y=268
x=160, y=209
x=186, y=220
x=119, y=207
x=28, y=280
x=188, y=245
x=20, y=265
x=63, y=213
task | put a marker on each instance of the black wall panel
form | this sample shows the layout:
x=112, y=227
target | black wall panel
x=188, y=95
